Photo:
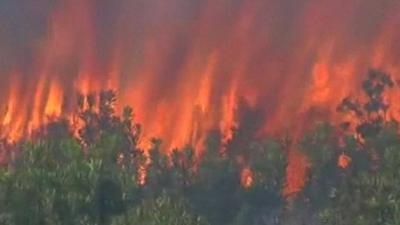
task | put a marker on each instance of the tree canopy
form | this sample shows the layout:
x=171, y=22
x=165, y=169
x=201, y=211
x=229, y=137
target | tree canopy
x=101, y=176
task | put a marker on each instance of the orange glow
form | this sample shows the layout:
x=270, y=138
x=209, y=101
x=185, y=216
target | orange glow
x=246, y=178
x=142, y=174
x=185, y=77
x=322, y=90
x=343, y=161
x=12, y=120
x=228, y=122
x=54, y=101
x=295, y=173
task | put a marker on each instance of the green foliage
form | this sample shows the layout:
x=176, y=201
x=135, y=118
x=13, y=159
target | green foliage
x=163, y=210
x=50, y=184
x=93, y=178
x=367, y=192
x=263, y=202
x=215, y=192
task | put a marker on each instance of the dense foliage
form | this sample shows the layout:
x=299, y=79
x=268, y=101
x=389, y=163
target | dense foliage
x=96, y=175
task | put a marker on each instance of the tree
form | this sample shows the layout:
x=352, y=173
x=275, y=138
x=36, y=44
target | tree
x=368, y=192
x=163, y=210
x=263, y=201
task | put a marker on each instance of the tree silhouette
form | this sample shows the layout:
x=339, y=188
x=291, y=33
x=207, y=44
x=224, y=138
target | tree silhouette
x=372, y=113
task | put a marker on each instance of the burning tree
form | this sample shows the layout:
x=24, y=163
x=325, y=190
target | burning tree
x=364, y=192
x=95, y=175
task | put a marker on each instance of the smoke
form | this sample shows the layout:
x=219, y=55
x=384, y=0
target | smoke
x=167, y=57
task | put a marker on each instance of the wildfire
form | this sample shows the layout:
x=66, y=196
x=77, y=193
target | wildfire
x=184, y=77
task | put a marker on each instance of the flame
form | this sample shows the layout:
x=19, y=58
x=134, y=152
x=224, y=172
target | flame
x=54, y=101
x=228, y=122
x=142, y=175
x=184, y=77
x=246, y=178
x=11, y=124
x=343, y=161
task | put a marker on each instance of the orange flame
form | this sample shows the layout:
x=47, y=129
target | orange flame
x=246, y=178
x=184, y=77
x=343, y=161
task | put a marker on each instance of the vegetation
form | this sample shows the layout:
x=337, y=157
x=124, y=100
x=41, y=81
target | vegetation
x=96, y=176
